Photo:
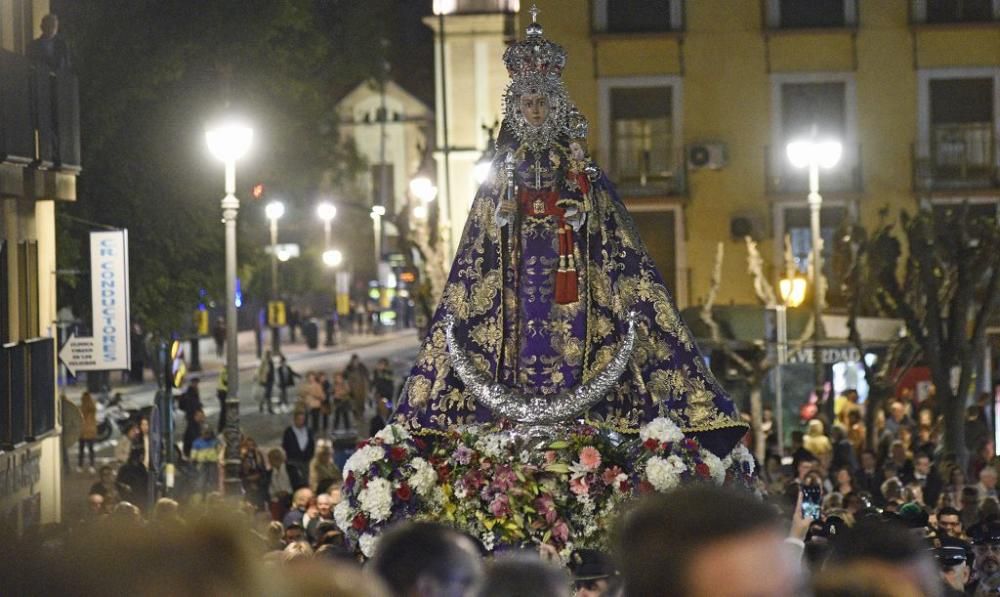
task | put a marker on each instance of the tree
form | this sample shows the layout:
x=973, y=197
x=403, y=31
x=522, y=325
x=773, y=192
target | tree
x=946, y=290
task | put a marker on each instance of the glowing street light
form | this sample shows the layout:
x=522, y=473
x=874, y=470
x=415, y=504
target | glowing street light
x=228, y=142
x=333, y=258
x=274, y=210
x=423, y=188
x=326, y=212
x=793, y=291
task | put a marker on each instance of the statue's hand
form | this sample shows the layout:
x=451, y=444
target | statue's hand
x=575, y=218
x=506, y=212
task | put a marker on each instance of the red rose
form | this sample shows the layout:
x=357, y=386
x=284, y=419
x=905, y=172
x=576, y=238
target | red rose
x=404, y=492
x=420, y=444
x=703, y=470
x=651, y=444
x=397, y=454
x=359, y=522
x=623, y=487
x=645, y=487
x=443, y=472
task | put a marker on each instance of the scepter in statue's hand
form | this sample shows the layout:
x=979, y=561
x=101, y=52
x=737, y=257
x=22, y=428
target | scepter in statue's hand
x=507, y=209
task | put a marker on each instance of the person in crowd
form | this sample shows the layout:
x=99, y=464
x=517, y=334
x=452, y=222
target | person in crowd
x=592, y=572
x=842, y=452
x=300, y=503
x=868, y=477
x=952, y=559
x=897, y=418
x=219, y=335
x=524, y=575
x=286, y=379
x=341, y=402
x=949, y=523
x=956, y=483
x=382, y=380
x=358, y=379
x=265, y=379
x=843, y=480
x=427, y=559
x=311, y=398
x=987, y=485
x=299, y=444
x=901, y=458
x=985, y=550
x=95, y=508
x=325, y=408
x=253, y=472
x=282, y=480
x=379, y=419
x=134, y=472
x=109, y=488
x=677, y=544
x=88, y=429
x=127, y=443
x=323, y=472
x=193, y=431
x=324, y=513
x=221, y=392
x=925, y=474
x=166, y=515
x=190, y=400
x=205, y=452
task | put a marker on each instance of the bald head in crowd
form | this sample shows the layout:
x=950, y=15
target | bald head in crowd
x=428, y=560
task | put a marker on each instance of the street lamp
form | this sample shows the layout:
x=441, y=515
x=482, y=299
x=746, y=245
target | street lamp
x=423, y=188
x=326, y=212
x=274, y=210
x=813, y=154
x=793, y=292
x=333, y=258
x=228, y=142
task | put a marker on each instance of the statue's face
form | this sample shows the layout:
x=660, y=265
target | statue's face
x=535, y=108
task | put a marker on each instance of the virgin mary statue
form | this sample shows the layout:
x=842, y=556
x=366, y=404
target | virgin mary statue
x=554, y=310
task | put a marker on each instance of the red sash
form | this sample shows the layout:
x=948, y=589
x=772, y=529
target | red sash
x=543, y=203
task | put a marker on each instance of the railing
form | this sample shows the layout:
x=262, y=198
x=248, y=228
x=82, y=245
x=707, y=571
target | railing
x=27, y=391
x=646, y=174
x=809, y=14
x=950, y=12
x=782, y=178
x=39, y=115
x=957, y=156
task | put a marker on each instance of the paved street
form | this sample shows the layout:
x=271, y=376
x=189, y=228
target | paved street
x=399, y=347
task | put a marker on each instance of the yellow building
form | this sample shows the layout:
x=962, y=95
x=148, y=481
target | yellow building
x=39, y=161
x=691, y=104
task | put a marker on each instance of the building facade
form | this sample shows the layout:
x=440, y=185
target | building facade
x=691, y=104
x=39, y=162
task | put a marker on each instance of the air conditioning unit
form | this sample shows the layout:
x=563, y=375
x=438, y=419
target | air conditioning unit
x=706, y=156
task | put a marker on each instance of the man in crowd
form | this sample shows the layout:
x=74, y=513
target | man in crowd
x=677, y=544
x=985, y=550
x=949, y=522
x=300, y=504
x=987, y=485
x=324, y=513
x=299, y=443
x=953, y=562
x=429, y=560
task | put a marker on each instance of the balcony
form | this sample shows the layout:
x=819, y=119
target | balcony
x=39, y=116
x=643, y=174
x=27, y=391
x=957, y=157
x=954, y=12
x=784, y=179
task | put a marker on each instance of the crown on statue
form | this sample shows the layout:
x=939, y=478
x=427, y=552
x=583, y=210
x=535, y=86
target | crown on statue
x=535, y=55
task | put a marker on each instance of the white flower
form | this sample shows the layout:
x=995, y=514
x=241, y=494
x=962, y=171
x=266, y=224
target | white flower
x=424, y=477
x=343, y=514
x=367, y=543
x=487, y=539
x=376, y=499
x=363, y=458
x=715, y=466
x=391, y=434
x=741, y=455
x=460, y=491
x=662, y=430
x=493, y=445
x=664, y=473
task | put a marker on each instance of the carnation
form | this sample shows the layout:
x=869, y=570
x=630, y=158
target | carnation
x=424, y=477
x=741, y=455
x=664, y=473
x=367, y=544
x=342, y=515
x=376, y=499
x=715, y=466
x=391, y=434
x=493, y=445
x=661, y=429
x=363, y=458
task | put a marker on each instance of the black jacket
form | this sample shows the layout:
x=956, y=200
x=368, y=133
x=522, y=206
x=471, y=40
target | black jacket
x=291, y=446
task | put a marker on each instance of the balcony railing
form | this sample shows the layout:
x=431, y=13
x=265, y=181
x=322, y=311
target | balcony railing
x=39, y=115
x=953, y=12
x=957, y=157
x=27, y=391
x=644, y=174
x=782, y=178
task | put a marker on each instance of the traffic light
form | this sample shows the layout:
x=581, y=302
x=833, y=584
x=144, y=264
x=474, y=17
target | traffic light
x=178, y=368
x=258, y=191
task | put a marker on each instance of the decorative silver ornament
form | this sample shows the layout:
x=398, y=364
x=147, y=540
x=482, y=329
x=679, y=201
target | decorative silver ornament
x=532, y=411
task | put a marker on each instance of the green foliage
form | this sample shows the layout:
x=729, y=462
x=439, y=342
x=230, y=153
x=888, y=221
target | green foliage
x=152, y=75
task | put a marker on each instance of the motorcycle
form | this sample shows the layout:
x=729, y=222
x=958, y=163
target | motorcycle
x=113, y=413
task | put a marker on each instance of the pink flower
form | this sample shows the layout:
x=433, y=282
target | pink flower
x=590, y=457
x=550, y=456
x=610, y=474
x=560, y=531
x=500, y=505
x=504, y=479
x=579, y=486
x=547, y=507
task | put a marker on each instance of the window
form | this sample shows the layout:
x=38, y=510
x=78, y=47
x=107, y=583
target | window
x=811, y=14
x=661, y=228
x=956, y=11
x=962, y=135
x=641, y=135
x=945, y=211
x=638, y=16
x=793, y=220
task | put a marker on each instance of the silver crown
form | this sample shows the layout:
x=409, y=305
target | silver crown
x=535, y=55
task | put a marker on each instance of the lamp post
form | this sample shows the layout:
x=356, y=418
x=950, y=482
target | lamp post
x=377, y=212
x=793, y=292
x=326, y=212
x=813, y=154
x=228, y=142
x=274, y=210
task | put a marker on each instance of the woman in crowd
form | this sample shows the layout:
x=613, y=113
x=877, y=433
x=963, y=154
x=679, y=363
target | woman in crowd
x=88, y=428
x=323, y=472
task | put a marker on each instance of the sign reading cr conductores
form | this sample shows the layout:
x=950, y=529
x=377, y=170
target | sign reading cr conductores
x=110, y=347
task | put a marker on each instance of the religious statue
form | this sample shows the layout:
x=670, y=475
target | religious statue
x=554, y=310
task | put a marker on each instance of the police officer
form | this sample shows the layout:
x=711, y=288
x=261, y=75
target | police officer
x=985, y=538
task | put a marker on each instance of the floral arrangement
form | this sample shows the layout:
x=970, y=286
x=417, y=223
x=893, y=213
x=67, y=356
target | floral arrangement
x=511, y=491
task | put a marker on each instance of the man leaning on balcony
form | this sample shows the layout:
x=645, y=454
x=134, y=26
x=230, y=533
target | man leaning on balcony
x=49, y=49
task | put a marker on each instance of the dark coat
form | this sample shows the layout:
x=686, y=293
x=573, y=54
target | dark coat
x=291, y=446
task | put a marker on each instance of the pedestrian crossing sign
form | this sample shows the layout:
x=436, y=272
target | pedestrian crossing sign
x=275, y=314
